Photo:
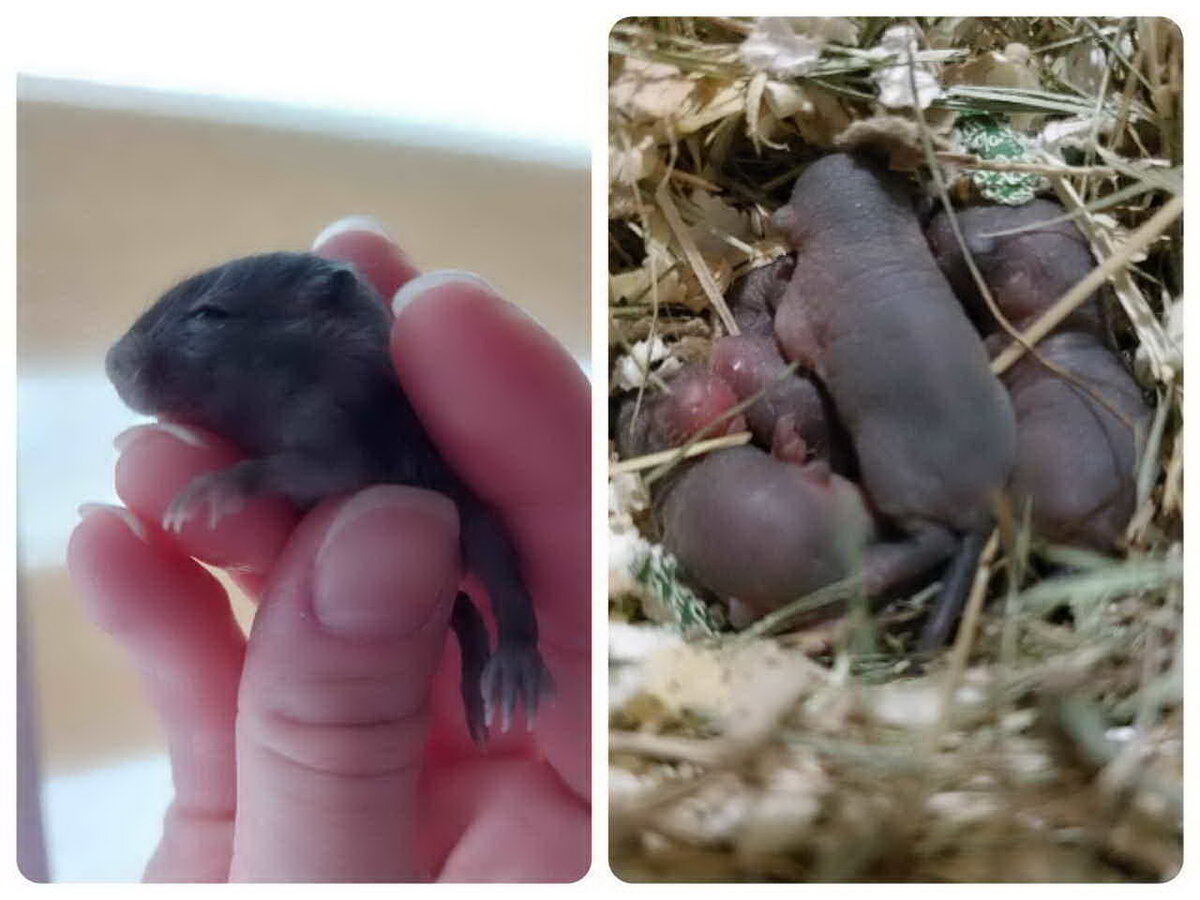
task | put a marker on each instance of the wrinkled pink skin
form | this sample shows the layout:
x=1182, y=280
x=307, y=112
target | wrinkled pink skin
x=792, y=414
x=1076, y=456
x=757, y=528
x=787, y=444
x=870, y=313
x=763, y=532
x=694, y=398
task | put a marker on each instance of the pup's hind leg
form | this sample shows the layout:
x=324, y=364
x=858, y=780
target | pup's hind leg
x=515, y=672
x=952, y=596
x=890, y=564
x=473, y=648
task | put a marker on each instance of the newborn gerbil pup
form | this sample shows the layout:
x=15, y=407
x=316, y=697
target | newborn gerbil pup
x=1026, y=271
x=1078, y=437
x=763, y=532
x=287, y=355
x=869, y=312
x=757, y=528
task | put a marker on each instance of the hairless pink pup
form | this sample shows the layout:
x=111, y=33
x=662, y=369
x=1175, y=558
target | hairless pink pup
x=1078, y=437
x=762, y=531
x=868, y=311
x=753, y=527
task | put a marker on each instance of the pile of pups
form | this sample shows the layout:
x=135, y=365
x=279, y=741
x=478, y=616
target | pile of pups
x=886, y=450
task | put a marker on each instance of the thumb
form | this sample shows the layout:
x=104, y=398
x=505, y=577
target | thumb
x=333, y=706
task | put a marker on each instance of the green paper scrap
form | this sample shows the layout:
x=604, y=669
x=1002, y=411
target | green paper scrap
x=991, y=138
x=658, y=573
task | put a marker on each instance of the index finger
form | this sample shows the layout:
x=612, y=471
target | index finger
x=508, y=408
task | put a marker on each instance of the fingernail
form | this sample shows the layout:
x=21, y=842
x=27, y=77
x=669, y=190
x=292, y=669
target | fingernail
x=423, y=284
x=131, y=521
x=351, y=223
x=389, y=557
x=175, y=430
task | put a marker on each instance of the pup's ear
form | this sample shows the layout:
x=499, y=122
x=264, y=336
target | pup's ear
x=336, y=284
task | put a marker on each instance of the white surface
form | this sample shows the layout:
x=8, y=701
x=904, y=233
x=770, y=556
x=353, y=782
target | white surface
x=102, y=825
x=65, y=425
x=472, y=80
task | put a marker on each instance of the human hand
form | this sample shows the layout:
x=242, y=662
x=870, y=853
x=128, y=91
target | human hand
x=330, y=745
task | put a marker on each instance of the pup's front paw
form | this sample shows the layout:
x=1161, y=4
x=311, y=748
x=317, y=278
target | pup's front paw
x=219, y=491
x=514, y=673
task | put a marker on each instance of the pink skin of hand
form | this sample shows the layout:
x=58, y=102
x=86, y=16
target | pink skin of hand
x=330, y=744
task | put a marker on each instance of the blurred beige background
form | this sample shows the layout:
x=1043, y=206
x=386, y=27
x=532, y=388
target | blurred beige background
x=114, y=205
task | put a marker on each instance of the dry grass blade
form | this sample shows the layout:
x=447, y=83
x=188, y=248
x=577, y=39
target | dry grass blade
x=974, y=98
x=820, y=600
x=1121, y=196
x=1172, y=496
x=970, y=161
x=699, y=448
x=695, y=260
x=1099, y=584
x=1152, y=173
x=680, y=749
x=1148, y=472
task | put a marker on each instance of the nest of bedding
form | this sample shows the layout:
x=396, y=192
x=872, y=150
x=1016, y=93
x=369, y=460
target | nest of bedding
x=1045, y=744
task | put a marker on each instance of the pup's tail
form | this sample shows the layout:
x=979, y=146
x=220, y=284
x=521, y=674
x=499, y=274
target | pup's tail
x=474, y=649
x=953, y=594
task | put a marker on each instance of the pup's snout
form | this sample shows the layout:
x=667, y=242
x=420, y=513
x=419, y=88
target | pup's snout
x=125, y=364
x=121, y=362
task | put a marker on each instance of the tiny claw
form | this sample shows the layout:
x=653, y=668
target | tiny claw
x=531, y=692
x=213, y=490
x=175, y=517
x=514, y=679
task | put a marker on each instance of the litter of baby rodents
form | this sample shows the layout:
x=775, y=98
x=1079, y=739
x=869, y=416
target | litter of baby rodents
x=763, y=737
